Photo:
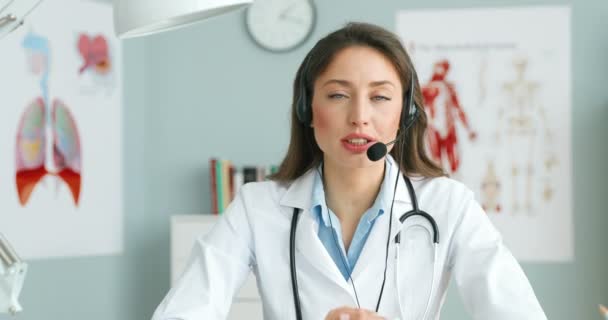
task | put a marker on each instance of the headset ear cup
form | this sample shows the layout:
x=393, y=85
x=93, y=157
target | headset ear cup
x=303, y=111
x=409, y=117
x=300, y=109
x=412, y=117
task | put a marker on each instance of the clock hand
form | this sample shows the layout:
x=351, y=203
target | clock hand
x=284, y=12
x=293, y=19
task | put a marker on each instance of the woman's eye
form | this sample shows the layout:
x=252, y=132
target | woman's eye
x=379, y=98
x=337, y=96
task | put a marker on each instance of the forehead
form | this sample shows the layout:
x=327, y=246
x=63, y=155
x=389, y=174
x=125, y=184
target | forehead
x=361, y=63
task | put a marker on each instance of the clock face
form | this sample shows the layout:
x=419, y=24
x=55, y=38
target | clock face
x=280, y=25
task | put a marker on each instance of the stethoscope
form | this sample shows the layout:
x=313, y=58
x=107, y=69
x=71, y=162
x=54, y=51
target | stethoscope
x=414, y=212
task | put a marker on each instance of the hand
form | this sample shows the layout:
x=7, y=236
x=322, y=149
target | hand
x=348, y=313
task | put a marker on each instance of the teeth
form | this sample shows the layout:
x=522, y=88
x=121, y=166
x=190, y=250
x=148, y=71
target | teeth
x=358, y=141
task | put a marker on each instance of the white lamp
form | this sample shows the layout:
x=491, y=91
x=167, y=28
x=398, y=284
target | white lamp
x=13, y=13
x=12, y=274
x=133, y=18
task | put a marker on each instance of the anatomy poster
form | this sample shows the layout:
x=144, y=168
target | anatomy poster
x=61, y=132
x=497, y=94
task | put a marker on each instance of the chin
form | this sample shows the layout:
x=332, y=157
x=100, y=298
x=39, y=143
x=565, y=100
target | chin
x=354, y=161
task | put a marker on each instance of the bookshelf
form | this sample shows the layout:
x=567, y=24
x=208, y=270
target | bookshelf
x=184, y=231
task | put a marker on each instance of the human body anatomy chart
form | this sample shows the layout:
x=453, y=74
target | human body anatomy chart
x=498, y=101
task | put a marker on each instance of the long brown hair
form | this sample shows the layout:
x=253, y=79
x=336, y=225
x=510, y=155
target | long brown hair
x=304, y=153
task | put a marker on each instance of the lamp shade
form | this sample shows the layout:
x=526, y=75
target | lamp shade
x=133, y=18
x=13, y=14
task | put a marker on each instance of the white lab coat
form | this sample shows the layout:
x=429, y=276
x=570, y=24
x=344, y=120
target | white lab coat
x=253, y=235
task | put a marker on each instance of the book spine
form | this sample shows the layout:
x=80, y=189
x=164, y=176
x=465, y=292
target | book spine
x=219, y=181
x=249, y=174
x=226, y=183
x=231, y=173
x=238, y=181
x=213, y=185
x=261, y=173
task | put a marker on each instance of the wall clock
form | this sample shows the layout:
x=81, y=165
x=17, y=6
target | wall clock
x=280, y=25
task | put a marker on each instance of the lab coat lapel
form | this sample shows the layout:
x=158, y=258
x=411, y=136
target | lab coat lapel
x=372, y=251
x=299, y=195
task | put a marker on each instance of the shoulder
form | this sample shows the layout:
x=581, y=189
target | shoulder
x=295, y=193
x=268, y=195
x=262, y=191
x=446, y=199
x=444, y=188
x=254, y=203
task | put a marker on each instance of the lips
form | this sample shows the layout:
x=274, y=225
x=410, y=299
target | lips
x=357, y=142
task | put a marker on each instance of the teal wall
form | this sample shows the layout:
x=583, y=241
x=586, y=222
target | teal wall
x=207, y=90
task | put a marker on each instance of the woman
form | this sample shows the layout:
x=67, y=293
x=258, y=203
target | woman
x=324, y=236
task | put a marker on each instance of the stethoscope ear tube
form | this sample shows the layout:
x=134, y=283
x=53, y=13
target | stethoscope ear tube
x=428, y=218
x=397, y=279
x=416, y=211
x=292, y=263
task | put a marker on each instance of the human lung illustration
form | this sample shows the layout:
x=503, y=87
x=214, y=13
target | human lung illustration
x=30, y=149
x=66, y=148
x=33, y=159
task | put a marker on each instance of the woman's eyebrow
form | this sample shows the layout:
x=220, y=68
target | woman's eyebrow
x=347, y=83
x=380, y=83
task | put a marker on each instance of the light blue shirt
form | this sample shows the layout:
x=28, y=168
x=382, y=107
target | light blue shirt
x=346, y=261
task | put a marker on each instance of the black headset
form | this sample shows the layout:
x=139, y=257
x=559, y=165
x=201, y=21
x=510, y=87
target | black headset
x=304, y=108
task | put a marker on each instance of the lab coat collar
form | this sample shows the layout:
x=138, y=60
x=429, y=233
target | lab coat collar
x=299, y=195
x=319, y=206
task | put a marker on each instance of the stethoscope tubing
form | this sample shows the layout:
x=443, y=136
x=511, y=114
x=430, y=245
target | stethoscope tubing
x=416, y=211
x=397, y=278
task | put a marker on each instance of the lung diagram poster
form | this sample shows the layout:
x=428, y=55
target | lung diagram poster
x=61, y=132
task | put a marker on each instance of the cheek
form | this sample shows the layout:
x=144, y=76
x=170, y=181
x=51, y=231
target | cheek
x=392, y=122
x=321, y=119
x=324, y=123
x=396, y=123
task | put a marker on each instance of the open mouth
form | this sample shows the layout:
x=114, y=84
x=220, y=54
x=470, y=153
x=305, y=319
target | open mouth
x=358, y=141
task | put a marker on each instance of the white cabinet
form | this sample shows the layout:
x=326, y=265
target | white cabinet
x=184, y=231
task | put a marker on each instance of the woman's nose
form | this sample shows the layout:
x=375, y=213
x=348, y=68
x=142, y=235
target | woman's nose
x=359, y=112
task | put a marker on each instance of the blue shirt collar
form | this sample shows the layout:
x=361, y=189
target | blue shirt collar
x=319, y=206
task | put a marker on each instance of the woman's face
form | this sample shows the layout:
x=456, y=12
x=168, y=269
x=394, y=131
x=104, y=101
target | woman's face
x=357, y=101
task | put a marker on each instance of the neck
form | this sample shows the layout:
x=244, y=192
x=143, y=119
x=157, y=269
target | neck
x=349, y=192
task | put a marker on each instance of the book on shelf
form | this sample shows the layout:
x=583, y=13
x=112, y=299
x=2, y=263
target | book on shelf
x=226, y=180
x=213, y=185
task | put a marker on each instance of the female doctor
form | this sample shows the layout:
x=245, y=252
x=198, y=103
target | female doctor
x=352, y=226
